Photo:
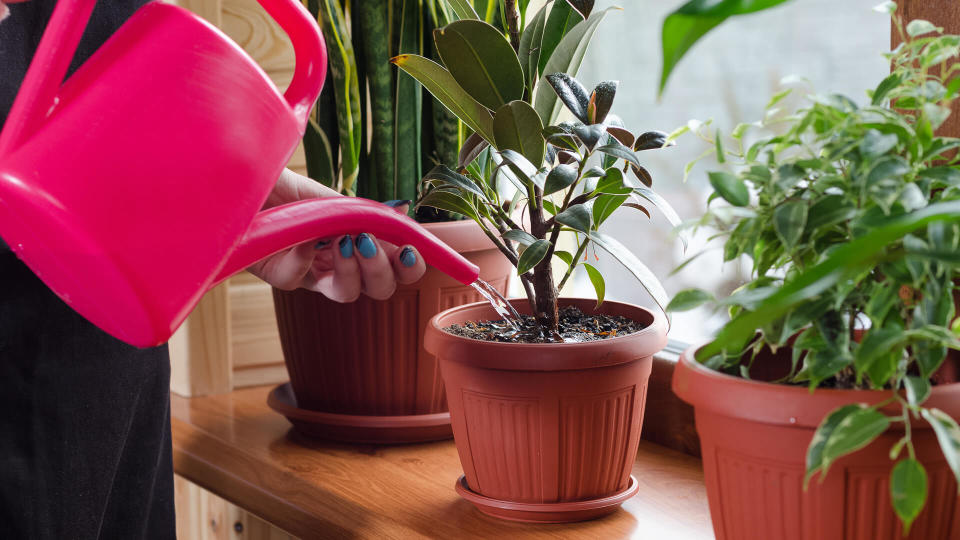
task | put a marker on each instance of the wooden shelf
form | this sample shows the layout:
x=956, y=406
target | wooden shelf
x=236, y=447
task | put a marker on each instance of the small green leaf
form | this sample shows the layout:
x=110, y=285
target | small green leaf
x=886, y=85
x=918, y=389
x=472, y=147
x=605, y=205
x=521, y=236
x=532, y=256
x=789, y=220
x=576, y=217
x=561, y=177
x=854, y=432
x=589, y=135
x=482, y=61
x=918, y=27
x=730, y=187
x=597, y=279
x=516, y=126
x=564, y=256
x=689, y=299
x=877, y=343
x=948, y=435
x=908, y=491
x=776, y=98
x=875, y=143
x=815, y=454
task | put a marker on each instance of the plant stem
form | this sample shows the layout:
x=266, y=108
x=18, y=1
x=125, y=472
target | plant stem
x=573, y=264
x=513, y=23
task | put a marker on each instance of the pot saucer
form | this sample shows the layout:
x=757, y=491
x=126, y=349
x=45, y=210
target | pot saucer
x=354, y=428
x=564, y=512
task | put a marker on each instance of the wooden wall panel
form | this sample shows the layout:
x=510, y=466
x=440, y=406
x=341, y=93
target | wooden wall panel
x=201, y=515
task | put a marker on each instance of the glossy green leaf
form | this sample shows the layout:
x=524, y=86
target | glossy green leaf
x=652, y=140
x=596, y=278
x=576, y=217
x=815, y=454
x=918, y=389
x=615, y=149
x=482, y=62
x=561, y=20
x=532, y=256
x=633, y=264
x=605, y=205
x=564, y=256
x=439, y=82
x=463, y=9
x=589, y=135
x=446, y=176
x=451, y=202
x=560, y=177
x=689, y=299
x=948, y=435
x=520, y=165
x=566, y=58
x=601, y=101
x=319, y=155
x=572, y=94
x=691, y=21
x=908, y=491
x=530, y=47
x=789, y=219
x=584, y=7
x=854, y=432
x=521, y=236
x=471, y=148
x=516, y=126
x=875, y=143
x=730, y=187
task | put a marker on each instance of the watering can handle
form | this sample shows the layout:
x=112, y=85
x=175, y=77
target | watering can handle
x=62, y=35
x=285, y=226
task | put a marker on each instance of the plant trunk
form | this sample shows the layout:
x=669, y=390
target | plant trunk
x=546, y=298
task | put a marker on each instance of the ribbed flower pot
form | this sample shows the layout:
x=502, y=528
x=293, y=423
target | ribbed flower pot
x=359, y=371
x=546, y=432
x=754, y=437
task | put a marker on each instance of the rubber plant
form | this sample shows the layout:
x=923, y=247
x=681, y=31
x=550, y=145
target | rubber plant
x=849, y=218
x=568, y=176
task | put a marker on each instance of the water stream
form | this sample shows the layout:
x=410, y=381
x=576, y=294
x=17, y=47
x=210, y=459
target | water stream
x=500, y=305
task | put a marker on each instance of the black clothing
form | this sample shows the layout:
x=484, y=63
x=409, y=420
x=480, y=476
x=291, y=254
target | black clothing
x=84, y=418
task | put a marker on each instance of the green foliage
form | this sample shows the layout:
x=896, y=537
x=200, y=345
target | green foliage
x=691, y=21
x=850, y=218
x=511, y=99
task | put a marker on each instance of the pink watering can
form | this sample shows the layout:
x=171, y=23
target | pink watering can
x=135, y=186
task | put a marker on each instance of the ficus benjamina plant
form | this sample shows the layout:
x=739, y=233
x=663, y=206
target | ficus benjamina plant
x=849, y=218
x=522, y=176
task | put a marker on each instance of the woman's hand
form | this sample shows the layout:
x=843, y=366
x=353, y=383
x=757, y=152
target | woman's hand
x=340, y=268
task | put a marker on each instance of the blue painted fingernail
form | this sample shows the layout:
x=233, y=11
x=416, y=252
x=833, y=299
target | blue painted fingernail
x=407, y=257
x=365, y=246
x=321, y=244
x=346, y=247
x=397, y=202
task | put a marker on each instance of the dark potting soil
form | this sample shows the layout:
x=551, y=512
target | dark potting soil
x=575, y=327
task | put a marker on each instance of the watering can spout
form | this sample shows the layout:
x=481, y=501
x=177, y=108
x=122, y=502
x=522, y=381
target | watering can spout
x=281, y=227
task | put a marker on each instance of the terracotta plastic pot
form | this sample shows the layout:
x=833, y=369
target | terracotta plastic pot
x=351, y=362
x=546, y=432
x=754, y=437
